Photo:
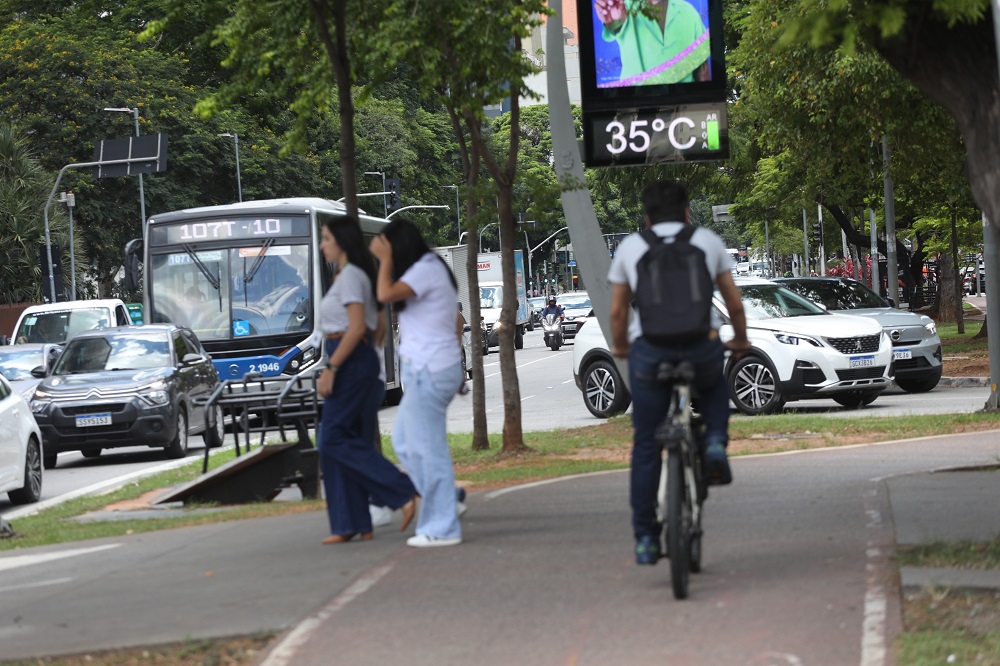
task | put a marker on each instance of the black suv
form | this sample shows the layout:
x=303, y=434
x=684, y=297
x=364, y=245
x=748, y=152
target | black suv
x=128, y=386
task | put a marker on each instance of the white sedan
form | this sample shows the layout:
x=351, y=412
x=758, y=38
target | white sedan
x=20, y=448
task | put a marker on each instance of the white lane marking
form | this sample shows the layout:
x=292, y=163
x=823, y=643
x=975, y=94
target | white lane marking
x=524, y=365
x=876, y=605
x=38, y=558
x=40, y=583
x=534, y=484
x=284, y=653
x=527, y=397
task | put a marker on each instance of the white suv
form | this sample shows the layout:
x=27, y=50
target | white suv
x=799, y=351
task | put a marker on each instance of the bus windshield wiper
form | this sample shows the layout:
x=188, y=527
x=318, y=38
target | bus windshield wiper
x=248, y=278
x=212, y=279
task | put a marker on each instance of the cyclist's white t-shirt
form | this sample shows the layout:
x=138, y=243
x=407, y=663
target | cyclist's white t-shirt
x=624, y=264
x=427, y=324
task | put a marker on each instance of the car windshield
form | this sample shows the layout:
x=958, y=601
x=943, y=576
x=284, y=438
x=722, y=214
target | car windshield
x=767, y=301
x=491, y=297
x=576, y=303
x=58, y=326
x=115, y=352
x=17, y=363
x=837, y=294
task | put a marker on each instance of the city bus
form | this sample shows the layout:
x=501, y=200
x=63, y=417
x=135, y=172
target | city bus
x=248, y=279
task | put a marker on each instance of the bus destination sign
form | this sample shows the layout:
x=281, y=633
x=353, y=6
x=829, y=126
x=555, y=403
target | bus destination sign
x=228, y=229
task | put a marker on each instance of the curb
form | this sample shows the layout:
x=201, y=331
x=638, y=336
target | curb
x=921, y=578
x=957, y=382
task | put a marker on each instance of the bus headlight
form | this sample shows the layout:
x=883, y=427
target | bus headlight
x=303, y=359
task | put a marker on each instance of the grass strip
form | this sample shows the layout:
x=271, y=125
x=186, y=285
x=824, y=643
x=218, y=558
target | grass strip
x=961, y=555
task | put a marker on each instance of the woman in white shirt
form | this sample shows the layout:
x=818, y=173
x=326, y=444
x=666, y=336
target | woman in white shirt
x=353, y=470
x=425, y=295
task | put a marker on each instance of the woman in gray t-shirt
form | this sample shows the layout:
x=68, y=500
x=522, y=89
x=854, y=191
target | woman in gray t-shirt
x=353, y=471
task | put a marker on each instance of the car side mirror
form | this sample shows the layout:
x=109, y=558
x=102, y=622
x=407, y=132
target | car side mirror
x=38, y=372
x=191, y=359
x=891, y=303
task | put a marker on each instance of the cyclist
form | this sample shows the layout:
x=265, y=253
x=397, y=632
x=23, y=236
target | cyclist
x=666, y=211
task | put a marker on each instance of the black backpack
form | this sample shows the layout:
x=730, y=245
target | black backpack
x=673, y=295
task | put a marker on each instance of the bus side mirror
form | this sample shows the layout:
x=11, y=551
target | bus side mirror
x=133, y=249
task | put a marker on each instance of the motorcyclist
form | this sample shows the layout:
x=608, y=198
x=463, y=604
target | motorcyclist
x=553, y=309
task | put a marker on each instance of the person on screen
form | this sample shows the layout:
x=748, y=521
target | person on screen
x=660, y=41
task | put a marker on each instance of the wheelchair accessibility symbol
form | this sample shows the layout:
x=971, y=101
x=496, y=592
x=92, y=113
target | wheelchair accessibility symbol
x=241, y=327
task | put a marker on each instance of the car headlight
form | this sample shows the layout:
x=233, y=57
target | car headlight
x=156, y=398
x=931, y=327
x=39, y=406
x=789, y=339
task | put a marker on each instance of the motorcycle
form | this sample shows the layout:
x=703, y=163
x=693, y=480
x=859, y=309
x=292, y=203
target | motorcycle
x=552, y=332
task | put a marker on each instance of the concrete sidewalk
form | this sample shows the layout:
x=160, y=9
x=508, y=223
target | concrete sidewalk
x=946, y=506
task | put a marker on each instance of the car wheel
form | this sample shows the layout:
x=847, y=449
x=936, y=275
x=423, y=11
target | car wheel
x=178, y=448
x=604, y=392
x=91, y=453
x=214, y=435
x=49, y=460
x=518, y=339
x=855, y=399
x=753, y=386
x=921, y=385
x=31, y=491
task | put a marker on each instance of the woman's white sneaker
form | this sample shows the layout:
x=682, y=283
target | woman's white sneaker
x=428, y=541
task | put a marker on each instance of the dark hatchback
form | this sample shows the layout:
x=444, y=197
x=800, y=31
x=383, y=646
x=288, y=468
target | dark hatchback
x=128, y=386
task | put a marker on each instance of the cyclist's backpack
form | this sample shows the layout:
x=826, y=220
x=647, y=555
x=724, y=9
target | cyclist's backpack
x=673, y=295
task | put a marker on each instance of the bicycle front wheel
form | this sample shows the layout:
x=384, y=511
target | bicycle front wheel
x=678, y=525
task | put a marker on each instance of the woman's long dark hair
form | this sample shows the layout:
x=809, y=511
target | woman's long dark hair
x=347, y=232
x=408, y=245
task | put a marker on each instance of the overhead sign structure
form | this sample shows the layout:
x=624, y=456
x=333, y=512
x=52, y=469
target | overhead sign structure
x=654, y=84
x=150, y=148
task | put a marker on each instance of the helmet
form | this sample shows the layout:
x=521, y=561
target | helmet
x=552, y=300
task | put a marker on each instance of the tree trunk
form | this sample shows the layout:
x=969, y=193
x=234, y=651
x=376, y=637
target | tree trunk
x=948, y=305
x=981, y=335
x=956, y=66
x=336, y=51
x=513, y=435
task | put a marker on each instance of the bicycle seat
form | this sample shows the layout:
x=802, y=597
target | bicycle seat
x=668, y=371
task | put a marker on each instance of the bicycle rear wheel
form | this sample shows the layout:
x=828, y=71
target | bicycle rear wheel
x=678, y=525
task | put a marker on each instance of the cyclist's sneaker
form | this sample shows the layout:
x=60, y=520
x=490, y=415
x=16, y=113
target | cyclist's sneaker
x=717, y=471
x=647, y=550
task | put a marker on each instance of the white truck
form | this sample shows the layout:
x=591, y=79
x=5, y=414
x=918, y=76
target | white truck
x=491, y=296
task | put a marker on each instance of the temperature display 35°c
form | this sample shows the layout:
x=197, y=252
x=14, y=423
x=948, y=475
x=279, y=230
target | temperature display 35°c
x=648, y=136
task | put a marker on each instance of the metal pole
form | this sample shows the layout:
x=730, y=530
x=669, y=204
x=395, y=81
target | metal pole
x=527, y=246
x=767, y=251
x=142, y=196
x=458, y=215
x=991, y=259
x=805, y=238
x=891, y=268
x=822, y=245
x=70, y=203
x=239, y=183
x=876, y=279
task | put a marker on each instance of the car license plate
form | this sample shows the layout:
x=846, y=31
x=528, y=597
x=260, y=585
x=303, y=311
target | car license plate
x=87, y=420
x=861, y=362
x=899, y=354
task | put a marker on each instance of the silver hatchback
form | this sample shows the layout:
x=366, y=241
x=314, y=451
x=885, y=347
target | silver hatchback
x=916, y=347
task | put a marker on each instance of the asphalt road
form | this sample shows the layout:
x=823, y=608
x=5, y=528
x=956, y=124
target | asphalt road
x=549, y=400
x=797, y=570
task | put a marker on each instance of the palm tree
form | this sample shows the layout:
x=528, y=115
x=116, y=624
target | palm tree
x=24, y=188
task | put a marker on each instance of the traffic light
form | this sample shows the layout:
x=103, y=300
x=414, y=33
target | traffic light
x=393, y=199
x=817, y=233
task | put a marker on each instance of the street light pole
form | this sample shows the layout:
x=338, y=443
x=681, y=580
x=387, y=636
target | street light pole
x=400, y=210
x=491, y=224
x=458, y=218
x=236, y=143
x=70, y=200
x=385, y=204
x=142, y=197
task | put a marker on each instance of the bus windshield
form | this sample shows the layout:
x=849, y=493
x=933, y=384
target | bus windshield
x=233, y=292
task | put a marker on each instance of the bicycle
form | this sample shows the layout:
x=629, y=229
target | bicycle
x=682, y=489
